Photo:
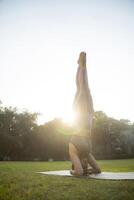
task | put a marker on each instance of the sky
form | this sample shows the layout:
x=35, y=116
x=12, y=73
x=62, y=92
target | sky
x=40, y=42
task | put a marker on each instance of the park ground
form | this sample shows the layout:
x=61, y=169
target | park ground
x=19, y=181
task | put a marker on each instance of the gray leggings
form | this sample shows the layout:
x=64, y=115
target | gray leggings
x=82, y=144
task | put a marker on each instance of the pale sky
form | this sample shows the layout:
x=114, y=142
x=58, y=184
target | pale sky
x=40, y=41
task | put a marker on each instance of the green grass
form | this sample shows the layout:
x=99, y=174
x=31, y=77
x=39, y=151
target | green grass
x=18, y=181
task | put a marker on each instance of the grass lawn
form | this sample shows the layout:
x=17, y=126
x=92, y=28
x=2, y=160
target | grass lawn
x=18, y=181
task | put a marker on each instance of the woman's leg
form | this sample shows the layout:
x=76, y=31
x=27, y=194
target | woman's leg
x=93, y=164
x=78, y=170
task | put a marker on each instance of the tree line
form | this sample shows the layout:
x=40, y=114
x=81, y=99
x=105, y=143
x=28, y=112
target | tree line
x=21, y=138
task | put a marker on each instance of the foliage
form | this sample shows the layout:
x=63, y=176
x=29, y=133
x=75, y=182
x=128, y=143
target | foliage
x=21, y=138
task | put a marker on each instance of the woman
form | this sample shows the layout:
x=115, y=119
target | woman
x=80, y=143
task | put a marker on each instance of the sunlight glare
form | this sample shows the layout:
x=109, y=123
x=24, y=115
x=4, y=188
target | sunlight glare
x=68, y=117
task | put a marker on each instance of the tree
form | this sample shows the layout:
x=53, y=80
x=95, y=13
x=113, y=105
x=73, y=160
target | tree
x=15, y=127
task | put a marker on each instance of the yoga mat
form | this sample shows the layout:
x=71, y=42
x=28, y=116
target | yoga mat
x=102, y=175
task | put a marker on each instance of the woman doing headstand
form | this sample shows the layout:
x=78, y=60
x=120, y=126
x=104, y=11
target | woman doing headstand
x=80, y=143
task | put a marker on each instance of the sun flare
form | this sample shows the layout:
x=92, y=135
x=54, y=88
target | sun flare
x=68, y=117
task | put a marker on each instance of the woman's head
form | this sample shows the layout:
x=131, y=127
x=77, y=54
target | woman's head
x=82, y=59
